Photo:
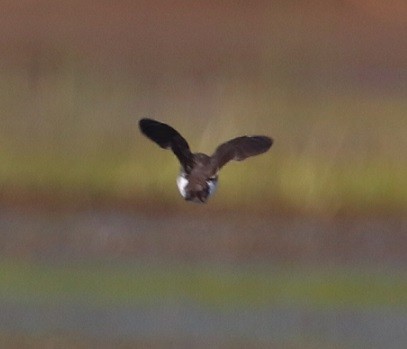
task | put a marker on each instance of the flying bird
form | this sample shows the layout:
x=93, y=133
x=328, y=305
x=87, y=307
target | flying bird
x=198, y=177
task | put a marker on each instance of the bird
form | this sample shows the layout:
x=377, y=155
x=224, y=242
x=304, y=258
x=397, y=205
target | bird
x=198, y=176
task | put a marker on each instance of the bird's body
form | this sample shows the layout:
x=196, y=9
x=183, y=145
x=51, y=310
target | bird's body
x=198, y=178
x=182, y=183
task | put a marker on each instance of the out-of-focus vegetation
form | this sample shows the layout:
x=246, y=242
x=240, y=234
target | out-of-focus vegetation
x=226, y=287
x=79, y=134
x=326, y=79
x=329, y=86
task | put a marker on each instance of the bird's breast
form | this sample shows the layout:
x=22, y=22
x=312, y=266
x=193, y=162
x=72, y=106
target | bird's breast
x=182, y=183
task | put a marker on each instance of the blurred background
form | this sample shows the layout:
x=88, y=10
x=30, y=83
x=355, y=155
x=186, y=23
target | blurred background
x=303, y=247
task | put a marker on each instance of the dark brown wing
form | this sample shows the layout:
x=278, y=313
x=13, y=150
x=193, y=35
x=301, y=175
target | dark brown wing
x=240, y=148
x=168, y=138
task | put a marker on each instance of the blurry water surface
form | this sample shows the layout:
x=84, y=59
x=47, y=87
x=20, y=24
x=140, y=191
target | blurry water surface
x=229, y=246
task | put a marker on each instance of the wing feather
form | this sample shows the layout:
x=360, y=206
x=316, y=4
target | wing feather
x=168, y=138
x=240, y=148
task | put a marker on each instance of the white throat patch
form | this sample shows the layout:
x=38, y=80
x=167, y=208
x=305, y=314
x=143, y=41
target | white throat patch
x=212, y=186
x=182, y=182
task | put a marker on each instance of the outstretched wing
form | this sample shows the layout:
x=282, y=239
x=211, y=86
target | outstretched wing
x=240, y=148
x=166, y=137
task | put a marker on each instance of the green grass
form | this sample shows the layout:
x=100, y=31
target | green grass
x=213, y=286
x=306, y=184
